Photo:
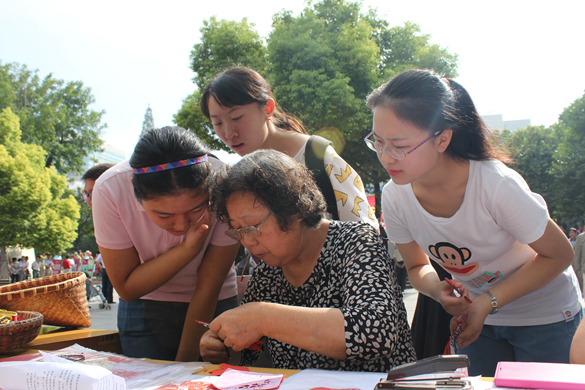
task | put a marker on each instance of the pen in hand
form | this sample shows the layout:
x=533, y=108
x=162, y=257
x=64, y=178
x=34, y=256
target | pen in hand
x=456, y=290
x=206, y=324
x=253, y=347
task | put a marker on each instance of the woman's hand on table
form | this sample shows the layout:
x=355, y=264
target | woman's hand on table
x=240, y=327
x=213, y=349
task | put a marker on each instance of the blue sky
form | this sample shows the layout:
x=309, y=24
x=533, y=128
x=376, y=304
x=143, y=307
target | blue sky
x=517, y=58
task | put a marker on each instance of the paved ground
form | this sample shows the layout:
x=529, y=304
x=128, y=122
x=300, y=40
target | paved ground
x=103, y=318
x=106, y=319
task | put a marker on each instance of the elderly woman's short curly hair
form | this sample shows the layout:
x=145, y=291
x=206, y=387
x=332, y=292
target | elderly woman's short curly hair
x=283, y=185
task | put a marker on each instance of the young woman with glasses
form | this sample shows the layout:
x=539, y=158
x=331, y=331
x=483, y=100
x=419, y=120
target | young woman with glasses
x=323, y=295
x=166, y=254
x=453, y=201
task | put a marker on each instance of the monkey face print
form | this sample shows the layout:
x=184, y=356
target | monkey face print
x=453, y=259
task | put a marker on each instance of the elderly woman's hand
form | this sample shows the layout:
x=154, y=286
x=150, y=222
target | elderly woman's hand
x=240, y=327
x=212, y=349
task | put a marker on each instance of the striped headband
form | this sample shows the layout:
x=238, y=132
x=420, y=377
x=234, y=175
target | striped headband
x=173, y=165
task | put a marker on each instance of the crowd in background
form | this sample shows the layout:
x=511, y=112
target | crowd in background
x=21, y=268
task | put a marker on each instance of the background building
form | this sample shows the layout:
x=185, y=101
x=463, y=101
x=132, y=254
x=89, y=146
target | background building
x=496, y=122
x=109, y=155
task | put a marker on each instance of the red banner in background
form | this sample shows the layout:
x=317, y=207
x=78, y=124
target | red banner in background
x=372, y=201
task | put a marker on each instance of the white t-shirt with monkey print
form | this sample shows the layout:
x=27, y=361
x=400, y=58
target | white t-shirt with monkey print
x=352, y=202
x=486, y=240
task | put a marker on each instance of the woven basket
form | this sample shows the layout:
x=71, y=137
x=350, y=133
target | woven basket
x=61, y=298
x=17, y=333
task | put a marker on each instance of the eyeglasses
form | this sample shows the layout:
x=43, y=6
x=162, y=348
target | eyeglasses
x=252, y=231
x=393, y=152
x=86, y=196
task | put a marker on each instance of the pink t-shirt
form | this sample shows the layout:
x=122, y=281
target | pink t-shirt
x=120, y=222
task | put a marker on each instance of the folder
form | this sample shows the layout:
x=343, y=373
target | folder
x=554, y=376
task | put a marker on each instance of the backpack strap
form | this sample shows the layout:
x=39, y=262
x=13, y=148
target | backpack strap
x=314, y=152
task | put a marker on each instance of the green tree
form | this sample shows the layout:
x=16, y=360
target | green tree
x=322, y=65
x=406, y=47
x=223, y=44
x=569, y=167
x=85, y=233
x=148, y=122
x=533, y=151
x=35, y=210
x=54, y=114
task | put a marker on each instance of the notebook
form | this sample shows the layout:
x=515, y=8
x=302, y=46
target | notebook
x=555, y=376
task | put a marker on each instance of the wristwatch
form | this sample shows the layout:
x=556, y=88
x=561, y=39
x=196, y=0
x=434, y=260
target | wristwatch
x=493, y=302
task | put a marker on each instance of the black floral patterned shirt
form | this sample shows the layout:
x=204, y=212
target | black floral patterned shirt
x=353, y=274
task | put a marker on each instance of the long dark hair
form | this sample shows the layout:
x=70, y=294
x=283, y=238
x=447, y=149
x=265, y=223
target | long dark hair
x=434, y=103
x=241, y=86
x=167, y=145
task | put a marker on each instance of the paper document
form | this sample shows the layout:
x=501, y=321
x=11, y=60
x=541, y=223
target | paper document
x=236, y=379
x=57, y=376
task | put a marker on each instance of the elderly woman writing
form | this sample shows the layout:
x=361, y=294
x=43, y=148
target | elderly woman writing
x=323, y=295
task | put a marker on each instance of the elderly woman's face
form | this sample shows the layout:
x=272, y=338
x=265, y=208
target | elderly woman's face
x=274, y=246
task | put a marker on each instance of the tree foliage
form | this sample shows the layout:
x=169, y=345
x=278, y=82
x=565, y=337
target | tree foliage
x=223, y=44
x=322, y=64
x=406, y=47
x=148, y=122
x=533, y=150
x=569, y=166
x=85, y=233
x=35, y=210
x=54, y=114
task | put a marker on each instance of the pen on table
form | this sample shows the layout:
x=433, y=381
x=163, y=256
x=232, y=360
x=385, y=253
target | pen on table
x=457, y=291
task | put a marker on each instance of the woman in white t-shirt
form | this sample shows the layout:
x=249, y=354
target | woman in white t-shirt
x=240, y=105
x=452, y=200
x=167, y=256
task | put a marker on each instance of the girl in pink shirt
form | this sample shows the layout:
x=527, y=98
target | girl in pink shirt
x=167, y=256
